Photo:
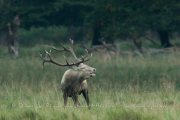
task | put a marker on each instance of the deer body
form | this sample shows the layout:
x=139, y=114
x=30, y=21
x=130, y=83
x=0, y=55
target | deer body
x=74, y=82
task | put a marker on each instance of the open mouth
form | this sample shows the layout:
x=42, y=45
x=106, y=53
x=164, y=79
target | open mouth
x=92, y=74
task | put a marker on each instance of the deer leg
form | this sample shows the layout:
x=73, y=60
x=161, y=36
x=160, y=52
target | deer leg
x=75, y=100
x=78, y=102
x=86, y=97
x=65, y=96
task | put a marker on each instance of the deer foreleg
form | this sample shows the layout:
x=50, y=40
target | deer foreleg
x=86, y=97
x=75, y=100
x=65, y=96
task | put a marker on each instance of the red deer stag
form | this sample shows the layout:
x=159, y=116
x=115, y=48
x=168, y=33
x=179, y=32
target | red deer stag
x=74, y=80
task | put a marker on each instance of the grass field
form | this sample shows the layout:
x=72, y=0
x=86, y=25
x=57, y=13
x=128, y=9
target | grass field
x=125, y=88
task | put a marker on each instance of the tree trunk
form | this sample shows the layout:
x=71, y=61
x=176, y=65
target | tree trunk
x=137, y=41
x=164, y=38
x=13, y=27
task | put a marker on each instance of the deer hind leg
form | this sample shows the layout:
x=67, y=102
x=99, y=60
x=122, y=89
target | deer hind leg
x=75, y=100
x=86, y=97
x=65, y=96
x=78, y=103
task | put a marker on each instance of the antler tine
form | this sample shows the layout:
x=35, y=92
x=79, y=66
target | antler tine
x=46, y=57
x=71, y=41
x=59, y=50
x=71, y=49
x=88, y=53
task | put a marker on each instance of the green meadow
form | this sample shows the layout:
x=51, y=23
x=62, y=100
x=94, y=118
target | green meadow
x=125, y=88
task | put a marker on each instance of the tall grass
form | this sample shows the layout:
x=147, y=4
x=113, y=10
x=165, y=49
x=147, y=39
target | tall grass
x=125, y=88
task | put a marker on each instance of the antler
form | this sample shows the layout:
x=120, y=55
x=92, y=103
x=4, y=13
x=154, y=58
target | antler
x=46, y=57
x=70, y=50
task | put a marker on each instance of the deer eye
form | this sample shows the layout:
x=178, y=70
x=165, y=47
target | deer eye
x=82, y=68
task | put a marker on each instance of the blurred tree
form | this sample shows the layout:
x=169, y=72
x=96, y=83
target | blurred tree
x=156, y=15
x=133, y=18
x=13, y=28
x=108, y=19
x=160, y=18
x=102, y=21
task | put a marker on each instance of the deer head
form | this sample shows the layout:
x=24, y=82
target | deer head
x=77, y=65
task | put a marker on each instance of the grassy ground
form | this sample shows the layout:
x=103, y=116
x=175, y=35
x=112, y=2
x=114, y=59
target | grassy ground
x=125, y=88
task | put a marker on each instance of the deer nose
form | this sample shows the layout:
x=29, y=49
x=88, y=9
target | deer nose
x=94, y=70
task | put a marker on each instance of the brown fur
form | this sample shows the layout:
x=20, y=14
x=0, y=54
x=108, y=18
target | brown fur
x=74, y=82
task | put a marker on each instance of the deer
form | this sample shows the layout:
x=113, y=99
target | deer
x=74, y=79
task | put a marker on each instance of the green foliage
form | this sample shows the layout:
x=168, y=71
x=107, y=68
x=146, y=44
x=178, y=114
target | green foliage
x=50, y=35
x=40, y=13
x=116, y=18
x=42, y=35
